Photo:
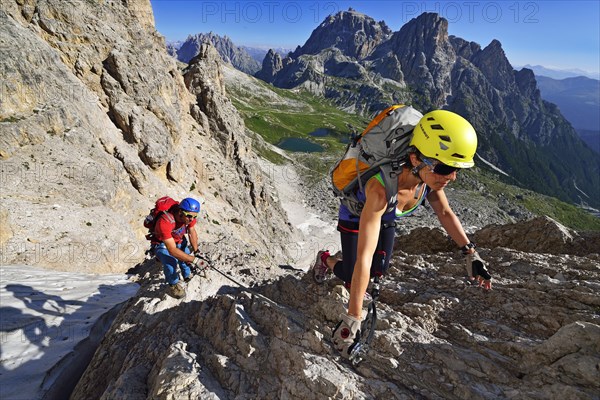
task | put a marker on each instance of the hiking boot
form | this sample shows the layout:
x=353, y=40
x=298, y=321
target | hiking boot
x=320, y=270
x=177, y=290
x=338, y=256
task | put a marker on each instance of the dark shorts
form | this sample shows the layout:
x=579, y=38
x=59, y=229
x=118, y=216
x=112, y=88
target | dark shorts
x=349, y=237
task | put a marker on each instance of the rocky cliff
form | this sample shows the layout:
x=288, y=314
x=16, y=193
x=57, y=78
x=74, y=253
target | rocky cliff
x=97, y=122
x=534, y=336
x=361, y=66
x=352, y=32
x=229, y=52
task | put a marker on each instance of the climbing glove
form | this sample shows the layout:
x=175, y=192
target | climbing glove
x=476, y=270
x=346, y=334
x=199, y=263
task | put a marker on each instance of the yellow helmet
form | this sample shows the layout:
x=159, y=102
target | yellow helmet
x=447, y=137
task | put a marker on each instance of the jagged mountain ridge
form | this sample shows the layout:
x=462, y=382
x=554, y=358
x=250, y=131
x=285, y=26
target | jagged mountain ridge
x=351, y=32
x=424, y=66
x=173, y=46
x=229, y=52
x=258, y=53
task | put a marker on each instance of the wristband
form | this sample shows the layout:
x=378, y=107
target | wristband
x=465, y=249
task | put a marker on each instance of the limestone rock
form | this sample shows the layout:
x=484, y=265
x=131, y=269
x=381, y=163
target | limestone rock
x=425, y=240
x=96, y=123
x=229, y=52
x=492, y=62
x=176, y=376
x=540, y=235
x=353, y=33
x=426, y=55
x=271, y=65
x=532, y=336
x=54, y=133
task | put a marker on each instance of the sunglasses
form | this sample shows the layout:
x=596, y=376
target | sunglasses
x=192, y=216
x=438, y=167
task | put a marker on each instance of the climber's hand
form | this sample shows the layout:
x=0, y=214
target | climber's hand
x=477, y=271
x=346, y=334
x=200, y=263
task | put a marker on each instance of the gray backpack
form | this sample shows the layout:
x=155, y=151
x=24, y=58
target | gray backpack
x=381, y=147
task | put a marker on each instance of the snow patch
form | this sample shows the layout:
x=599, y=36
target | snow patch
x=492, y=165
x=314, y=232
x=579, y=190
x=51, y=324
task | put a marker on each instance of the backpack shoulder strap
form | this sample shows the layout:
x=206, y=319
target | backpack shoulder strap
x=167, y=216
x=389, y=179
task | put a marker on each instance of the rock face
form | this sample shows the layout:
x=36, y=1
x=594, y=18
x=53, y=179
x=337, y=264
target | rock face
x=535, y=335
x=540, y=235
x=229, y=52
x=97, y=122
x=271, y=65
x=355, y=34
x=363, y=67
x=426, y=56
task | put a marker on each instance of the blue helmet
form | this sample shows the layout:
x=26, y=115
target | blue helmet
x=190, y=205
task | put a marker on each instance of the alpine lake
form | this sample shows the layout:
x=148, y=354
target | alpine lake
x=305, y=145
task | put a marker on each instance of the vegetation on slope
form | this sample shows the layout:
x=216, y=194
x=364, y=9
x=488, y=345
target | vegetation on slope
x=276, y=113
x=284, y=113
x=486, y=183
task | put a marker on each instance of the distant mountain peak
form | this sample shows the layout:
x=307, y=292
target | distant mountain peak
x=557, y=73
x=494, y=64
x=354, y=33
x=229, y=52
x=429, y=24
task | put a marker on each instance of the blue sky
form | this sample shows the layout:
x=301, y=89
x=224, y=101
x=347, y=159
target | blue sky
x=555, y=34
